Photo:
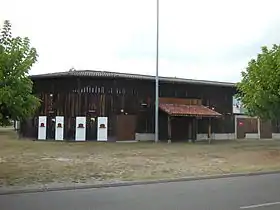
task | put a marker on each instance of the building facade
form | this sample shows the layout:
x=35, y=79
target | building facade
x=189, y=109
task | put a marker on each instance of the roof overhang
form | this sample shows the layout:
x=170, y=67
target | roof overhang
x=188, y=110
x=118, y=75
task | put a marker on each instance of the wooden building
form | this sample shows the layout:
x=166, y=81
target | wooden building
x=189, y=109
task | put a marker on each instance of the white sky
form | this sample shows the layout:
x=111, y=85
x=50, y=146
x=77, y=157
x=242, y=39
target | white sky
x=199, y=39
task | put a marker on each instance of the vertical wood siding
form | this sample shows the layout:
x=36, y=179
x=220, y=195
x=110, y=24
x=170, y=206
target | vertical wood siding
x=92, y=97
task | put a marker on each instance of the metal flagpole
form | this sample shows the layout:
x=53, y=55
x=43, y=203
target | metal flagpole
x=157, y=80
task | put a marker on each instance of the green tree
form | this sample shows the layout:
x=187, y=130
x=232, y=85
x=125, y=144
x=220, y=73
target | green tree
x=16, y=59
x=259, y=89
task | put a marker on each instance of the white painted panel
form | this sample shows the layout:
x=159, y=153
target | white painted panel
x=144, y=136
x=201, y=136
x=59, y=128
x=275, y=135
x=216, y=136
x=42, y=128
x=102, y=129
x=251, y=136
x=80, y=129
x=223, y=136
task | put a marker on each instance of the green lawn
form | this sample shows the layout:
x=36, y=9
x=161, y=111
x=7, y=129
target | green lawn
x=25, y=162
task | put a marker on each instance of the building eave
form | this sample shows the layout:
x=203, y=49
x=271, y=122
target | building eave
x=108, y=74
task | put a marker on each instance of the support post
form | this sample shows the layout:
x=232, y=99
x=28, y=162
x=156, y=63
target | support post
x=194, y=129
x=209, y=131
x=259, y=128
x=169, y=129
x=190, y=130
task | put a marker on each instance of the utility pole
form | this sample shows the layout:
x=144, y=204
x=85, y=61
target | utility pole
x=157, y=80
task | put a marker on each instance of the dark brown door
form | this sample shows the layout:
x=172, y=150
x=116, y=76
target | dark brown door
x=51, y=126
x=241, y=127
x=125, y=127
x=91, y=130
x=182, y=129
x=246, y=125
x=70, y=125
x=265, y=129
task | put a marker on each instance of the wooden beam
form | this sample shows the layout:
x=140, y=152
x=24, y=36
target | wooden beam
x=194, y=129
x=209, y=131
x=169, y=129
x=189, y=130
x=184, y=101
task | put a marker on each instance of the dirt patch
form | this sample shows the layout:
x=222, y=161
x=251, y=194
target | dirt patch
x=25, y=162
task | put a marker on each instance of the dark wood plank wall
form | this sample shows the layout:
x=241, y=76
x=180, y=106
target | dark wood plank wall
x=91, y=97
x=275, y=124
x=73, y=97
x=212, y=96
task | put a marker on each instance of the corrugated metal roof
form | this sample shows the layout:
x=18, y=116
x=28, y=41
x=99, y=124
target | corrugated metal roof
x=93, y=73
x=188, y=110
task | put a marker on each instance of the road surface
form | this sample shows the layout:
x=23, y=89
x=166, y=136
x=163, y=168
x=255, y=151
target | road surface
x=252, y=193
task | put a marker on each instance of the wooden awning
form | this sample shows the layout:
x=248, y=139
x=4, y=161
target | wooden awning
x=188, y=110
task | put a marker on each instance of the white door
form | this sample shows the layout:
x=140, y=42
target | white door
x=102, y=129
x=80, y=129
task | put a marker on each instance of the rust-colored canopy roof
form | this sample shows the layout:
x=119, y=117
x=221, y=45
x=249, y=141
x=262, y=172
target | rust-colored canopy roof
x=188, y=110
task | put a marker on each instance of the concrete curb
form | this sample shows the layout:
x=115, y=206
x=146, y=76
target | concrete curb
x=132, y=183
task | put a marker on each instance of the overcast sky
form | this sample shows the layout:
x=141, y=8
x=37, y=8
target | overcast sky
x=199, y=39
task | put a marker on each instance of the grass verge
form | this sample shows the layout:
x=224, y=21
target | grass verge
x=25, y=162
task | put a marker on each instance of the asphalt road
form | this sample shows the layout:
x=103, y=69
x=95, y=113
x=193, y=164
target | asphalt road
x=254, y=193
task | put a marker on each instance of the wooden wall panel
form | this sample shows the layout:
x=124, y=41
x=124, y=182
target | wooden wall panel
x=180, y=101
x=246, y=125
x=265, y=129
x=106, y=97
